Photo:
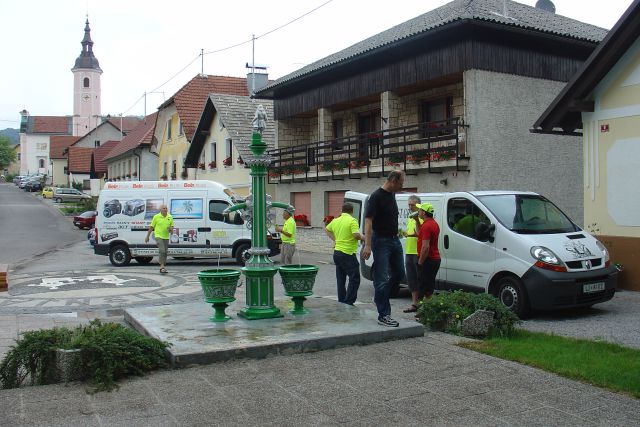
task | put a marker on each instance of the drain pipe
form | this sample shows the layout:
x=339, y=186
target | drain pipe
x=137, y=154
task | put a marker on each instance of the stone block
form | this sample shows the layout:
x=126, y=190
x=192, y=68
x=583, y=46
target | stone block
x=477, y=324
x=68, y=365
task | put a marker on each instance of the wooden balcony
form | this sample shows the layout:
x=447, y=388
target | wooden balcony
x=423, y=147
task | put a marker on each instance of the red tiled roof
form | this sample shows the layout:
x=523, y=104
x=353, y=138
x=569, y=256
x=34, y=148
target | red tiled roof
x=100, y=153
x=191, y=98
x=80, y=159
x=51, y=124
x=128, y=123
x=141, y=135
x=59, y=143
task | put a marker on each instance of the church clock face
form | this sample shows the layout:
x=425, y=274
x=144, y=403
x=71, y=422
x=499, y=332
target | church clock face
x=86, y=97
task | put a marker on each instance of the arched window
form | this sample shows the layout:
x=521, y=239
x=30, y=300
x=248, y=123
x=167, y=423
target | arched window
x=41, y=163
x=85, y=82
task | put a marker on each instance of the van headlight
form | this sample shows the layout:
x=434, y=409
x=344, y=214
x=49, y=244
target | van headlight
x=547, y=259
x=605, y=252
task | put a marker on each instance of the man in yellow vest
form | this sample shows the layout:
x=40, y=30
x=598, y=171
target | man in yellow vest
x=288, y=232
x=345, y=233
x=411, y=254
x=162, y=227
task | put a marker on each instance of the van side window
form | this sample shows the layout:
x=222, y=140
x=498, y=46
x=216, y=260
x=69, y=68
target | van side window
x=463, y=216
x=215, y=210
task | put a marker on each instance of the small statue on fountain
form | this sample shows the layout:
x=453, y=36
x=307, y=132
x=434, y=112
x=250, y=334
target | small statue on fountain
x=259, y=121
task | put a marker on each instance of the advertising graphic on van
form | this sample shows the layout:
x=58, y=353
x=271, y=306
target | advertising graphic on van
x=186, y=208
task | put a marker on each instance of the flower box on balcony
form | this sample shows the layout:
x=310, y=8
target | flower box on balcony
x=227, y=162
x=212, y=165
x=301, y=220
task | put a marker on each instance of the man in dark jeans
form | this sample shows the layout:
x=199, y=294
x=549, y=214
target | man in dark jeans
x=345, y=232
x=381, y=239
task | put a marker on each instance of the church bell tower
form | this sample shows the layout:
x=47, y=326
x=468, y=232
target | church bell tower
x=86, y=88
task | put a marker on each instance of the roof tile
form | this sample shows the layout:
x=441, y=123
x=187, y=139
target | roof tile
x=191, y=98
x=80, y=159
x=51, y=124
x=518, y=15
x=99, y=154
x=58, y=143
x=139, y=136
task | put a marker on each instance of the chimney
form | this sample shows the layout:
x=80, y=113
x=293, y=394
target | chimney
x=257, y=77
x=546, y=5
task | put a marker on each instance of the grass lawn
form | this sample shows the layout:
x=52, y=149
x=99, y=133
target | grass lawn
x=599, y=363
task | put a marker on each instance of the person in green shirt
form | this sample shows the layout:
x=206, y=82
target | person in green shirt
x=162, y=227
x=288, y=231
x=345, y=233
x=411, y=254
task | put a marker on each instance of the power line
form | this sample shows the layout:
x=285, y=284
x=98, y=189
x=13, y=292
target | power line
x=228, y=48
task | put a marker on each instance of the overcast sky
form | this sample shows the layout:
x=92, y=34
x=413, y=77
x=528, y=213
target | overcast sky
x=141, y=44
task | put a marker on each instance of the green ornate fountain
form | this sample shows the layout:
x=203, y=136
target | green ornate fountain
x=259, y=269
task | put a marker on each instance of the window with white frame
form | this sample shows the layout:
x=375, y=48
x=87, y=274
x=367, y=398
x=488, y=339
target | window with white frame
x=213, y=153
x=180, y=127
x=228, y=152
x=168, y=129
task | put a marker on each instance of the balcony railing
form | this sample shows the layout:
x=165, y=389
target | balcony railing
x=432, y=146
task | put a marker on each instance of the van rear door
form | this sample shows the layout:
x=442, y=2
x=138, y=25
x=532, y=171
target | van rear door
x=470, y=262
x=359, y=200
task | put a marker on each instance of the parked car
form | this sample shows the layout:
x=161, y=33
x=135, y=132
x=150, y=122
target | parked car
x=68, y=195
x=47, y=192
x=33, y=185
x=85, y=219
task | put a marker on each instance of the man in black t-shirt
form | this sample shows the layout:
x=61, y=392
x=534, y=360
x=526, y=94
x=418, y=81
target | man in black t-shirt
x=381, y=239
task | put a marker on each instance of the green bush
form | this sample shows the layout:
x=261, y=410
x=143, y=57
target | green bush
x=447, y=309
x=108, y=352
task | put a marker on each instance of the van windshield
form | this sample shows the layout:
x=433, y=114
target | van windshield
x=528, y=214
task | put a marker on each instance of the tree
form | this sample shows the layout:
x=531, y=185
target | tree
x=7, y=152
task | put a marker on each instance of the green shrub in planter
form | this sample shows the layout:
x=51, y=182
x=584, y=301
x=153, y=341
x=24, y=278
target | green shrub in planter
x=108, y=352
x=446, y=310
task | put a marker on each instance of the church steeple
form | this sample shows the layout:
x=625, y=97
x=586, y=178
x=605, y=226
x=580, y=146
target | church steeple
x=87, y=59
x=86, y=88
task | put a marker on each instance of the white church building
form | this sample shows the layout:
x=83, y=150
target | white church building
x=36, y=131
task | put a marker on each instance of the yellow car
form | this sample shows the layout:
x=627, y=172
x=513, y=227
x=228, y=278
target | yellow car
x=47, y=192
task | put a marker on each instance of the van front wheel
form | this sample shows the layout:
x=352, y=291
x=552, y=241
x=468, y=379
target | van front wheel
x=511, y=293
x=242, y=254
x=120, y=256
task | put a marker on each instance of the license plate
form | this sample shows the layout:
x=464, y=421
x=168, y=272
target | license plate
x=593, y=287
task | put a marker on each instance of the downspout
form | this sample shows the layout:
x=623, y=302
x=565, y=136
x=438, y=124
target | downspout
x=135, y=153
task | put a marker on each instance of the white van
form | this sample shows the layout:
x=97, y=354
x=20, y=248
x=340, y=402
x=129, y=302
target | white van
x=125, y=210
x=517, y=246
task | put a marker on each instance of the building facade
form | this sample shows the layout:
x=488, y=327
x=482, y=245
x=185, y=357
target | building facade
x=602, y=104
x=178, y=117
x=222, y=138
x=447, y=96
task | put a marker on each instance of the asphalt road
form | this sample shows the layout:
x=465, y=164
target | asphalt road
x=30, y=227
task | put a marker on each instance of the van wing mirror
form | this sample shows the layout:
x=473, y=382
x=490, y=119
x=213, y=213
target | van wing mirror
x=237, y=219
x=484, y=232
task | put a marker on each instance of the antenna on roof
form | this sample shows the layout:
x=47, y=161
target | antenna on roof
x=505, y=12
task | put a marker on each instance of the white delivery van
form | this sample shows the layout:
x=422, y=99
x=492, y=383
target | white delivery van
x=517, y=246
x=125, y=211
